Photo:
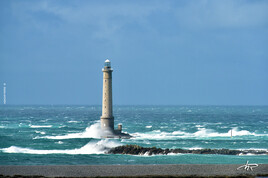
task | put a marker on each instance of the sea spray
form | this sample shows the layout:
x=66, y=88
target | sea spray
x=94, y=147
x=93, y=131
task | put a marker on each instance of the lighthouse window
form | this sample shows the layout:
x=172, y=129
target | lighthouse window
x=105, y=80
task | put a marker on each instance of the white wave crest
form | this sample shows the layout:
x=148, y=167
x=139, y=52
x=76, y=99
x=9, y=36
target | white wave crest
x=40, y=126
x=148, y=126
x=203, y=132
x=194, y=148
x=72, y=121
x=256, y=149
x=43, y=133
x=99, y=147
x=200, y=133
x=93, y=131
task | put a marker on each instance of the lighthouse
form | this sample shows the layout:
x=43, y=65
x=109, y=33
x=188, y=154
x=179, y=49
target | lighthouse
x=107, y=118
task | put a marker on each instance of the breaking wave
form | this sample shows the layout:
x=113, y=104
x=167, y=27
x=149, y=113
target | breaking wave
x=99, y=147
x=200, y=133
x=93, y=131
x=40, y=126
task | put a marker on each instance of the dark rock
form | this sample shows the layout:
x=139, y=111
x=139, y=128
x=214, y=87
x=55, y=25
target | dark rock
x=138, y=150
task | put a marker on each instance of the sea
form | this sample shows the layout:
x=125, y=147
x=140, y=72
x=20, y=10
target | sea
x=70, y=135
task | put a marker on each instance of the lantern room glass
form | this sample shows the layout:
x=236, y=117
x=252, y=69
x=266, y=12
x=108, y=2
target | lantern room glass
x=107, y=64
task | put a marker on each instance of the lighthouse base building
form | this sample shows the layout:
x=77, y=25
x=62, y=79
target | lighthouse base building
x=107, y=118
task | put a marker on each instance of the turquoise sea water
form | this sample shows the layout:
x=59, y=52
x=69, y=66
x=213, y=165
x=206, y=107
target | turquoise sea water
x=42, y=135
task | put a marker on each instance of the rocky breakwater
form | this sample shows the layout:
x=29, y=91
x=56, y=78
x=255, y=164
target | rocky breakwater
x=138, y=150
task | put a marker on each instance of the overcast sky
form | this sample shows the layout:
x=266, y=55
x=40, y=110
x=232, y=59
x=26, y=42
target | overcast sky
x=162, y=52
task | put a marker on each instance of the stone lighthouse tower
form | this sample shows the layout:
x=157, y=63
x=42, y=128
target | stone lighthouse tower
x=107, y=118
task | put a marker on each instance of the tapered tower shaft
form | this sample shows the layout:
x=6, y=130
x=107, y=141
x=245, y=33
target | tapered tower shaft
x=107, y=119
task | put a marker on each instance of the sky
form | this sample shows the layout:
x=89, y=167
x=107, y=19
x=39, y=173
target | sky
x=173, y=52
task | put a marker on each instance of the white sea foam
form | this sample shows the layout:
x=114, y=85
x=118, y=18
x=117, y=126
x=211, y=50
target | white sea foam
x=194, y=148
x=256, y=149
x=93, y=131
x=174, y=154
x=40, y=126
x=99, y=147
x=72, y=121
x=148, y=126
x=253, y=141
x=153, y=136
x=249, y=154
x=198, y=126
x=156, y=131
x=200, y=133
x=162, y=127
x=43, y=133
x=146, y=142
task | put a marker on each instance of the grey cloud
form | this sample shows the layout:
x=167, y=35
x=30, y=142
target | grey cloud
x=223, y=14
x=106, y=19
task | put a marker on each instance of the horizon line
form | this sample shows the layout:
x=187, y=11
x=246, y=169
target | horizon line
x=135, y=105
